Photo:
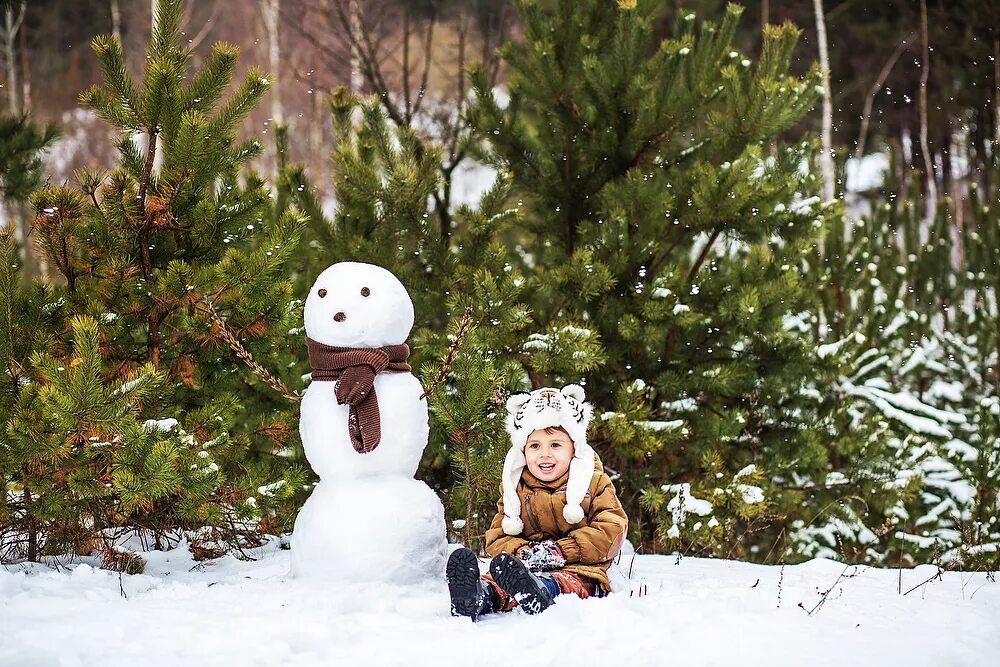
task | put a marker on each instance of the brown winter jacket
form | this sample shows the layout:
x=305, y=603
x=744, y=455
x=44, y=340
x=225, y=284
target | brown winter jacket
x=589, y=546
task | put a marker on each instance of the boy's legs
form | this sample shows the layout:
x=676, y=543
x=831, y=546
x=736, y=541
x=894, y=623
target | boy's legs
x=507, y=603
x=510, y=574
x=570, y=582
x=504, y=601
x=556, y=582
x=469, y=597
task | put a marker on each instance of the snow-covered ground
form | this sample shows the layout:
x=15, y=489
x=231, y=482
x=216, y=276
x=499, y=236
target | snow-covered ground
x=692, y=612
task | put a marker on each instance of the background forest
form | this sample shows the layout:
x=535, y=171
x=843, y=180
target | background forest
x=763, y=237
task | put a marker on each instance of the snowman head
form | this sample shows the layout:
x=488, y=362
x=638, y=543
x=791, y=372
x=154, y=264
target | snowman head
x=352, y=304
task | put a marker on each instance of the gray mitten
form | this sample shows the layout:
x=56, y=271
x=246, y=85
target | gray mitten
x=542, y=556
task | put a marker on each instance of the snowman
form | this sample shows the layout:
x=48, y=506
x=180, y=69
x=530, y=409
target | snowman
x=364, y=428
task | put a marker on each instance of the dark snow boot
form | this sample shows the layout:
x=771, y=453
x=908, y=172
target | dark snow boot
x=468, y=595
x=513, y=577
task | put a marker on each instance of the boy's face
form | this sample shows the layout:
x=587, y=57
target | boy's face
x=547, y=455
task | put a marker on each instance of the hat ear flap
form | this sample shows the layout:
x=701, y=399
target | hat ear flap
x=516, y=400
x=513, y=465
x=574, y=391
x=581, y=472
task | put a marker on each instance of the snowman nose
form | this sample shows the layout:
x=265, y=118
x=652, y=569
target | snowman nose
x=339, y=317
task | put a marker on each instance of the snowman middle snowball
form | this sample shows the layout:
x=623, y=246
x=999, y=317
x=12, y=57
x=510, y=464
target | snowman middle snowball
x=362, y=306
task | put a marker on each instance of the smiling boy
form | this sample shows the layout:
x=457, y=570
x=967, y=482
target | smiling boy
x=559, y=524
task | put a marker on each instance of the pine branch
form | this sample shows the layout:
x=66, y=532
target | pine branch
x=234, y=344
x=449, y=357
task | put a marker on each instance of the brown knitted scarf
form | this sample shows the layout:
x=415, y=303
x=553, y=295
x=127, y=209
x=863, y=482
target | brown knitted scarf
x=354, y=369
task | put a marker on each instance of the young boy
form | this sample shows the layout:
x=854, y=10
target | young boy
x=559, y=524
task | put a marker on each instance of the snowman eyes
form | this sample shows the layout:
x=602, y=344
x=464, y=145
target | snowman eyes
x=364, y=292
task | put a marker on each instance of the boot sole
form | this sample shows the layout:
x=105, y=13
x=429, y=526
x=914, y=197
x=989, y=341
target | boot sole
x=512, y=576
x=464, y=588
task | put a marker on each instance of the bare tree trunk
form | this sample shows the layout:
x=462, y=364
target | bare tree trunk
x=11, y=25
x=25, y=71
x=990, y=172
x=996, y=85
x=958, y=191
x=271, y=10
x=116, y=20
x=925, y=69
x=316, y=150
x=859, y=150
x=152, y=135
x=357, y=76
x=826, y=156
x=407, y=106
x=32, y=528
x=765, y=12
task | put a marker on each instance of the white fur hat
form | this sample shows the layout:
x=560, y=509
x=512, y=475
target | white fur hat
x=541, y=409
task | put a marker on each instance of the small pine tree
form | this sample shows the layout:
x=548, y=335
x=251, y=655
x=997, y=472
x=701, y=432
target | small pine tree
x=21, y=141
x=466, y=295
x=909, y=327
x=664, y=232
x=158, y=252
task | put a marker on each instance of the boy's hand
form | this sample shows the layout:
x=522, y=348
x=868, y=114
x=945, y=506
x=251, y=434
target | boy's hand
x=542, y=556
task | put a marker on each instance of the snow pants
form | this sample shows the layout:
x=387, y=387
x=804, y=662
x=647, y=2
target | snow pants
x=557, y=581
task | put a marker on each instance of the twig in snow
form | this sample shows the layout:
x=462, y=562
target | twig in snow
x=826, y=594
x=991, y=576
x=936, y=575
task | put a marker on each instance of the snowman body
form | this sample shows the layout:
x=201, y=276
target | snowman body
x=368, y=519
x=403, y=417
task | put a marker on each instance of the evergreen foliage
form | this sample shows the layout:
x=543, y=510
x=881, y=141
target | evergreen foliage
x=148, y=252
x=772, y=379
x=913, y=425
x=664, y=233
x=21, y=141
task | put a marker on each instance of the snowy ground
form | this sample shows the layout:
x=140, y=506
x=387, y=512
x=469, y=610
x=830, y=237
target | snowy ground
x=696, y=612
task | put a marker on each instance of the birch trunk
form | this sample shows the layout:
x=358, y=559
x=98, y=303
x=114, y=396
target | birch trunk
x=925, y=69
x=116, y=20
x=826, y=155
x=25, y=71
x=271, y=11
x=11, y=25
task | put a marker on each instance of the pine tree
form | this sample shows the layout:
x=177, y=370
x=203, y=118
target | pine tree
x=29, y=313
x=21, y=141
x=159, y=252
x=910, y=326
x=466, y=295
x=664, y=232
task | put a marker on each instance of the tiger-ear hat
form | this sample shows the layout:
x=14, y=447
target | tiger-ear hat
x=540, y=409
